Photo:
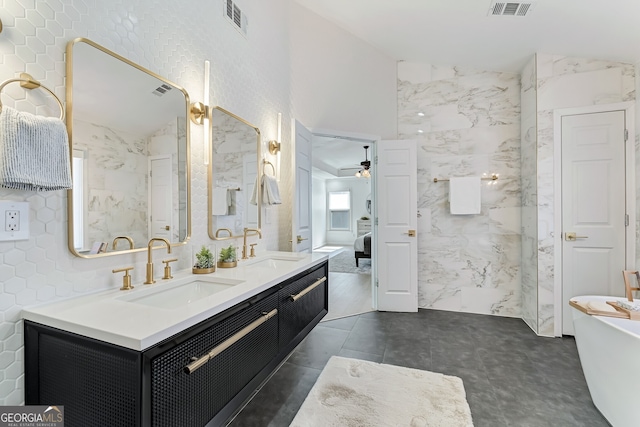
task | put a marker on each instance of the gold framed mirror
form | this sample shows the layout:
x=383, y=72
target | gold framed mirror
x=233, y=169
x=129, y=139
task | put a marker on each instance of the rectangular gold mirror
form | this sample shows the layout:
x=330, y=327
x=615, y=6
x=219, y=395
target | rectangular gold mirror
x=129, y=134
x=233, y=169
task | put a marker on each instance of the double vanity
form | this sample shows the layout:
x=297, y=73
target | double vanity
x=187, y=351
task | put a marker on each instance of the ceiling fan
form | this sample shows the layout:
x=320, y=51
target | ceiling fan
x=366, y=164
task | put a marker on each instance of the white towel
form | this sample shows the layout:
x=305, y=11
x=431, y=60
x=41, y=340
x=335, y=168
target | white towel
x=254, y=193
x=34, y=152
x=464, y=195
x=220, y=203
x=271, y=192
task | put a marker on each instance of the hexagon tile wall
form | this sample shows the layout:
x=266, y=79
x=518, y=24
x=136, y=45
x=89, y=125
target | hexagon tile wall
x=161, y=36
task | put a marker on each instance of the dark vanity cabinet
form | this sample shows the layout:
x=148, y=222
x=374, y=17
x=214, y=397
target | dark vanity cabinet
x=198, y=377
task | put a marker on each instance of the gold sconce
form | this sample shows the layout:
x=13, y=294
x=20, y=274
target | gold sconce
x=274, y=147
x=274, y=144
x=200, y=112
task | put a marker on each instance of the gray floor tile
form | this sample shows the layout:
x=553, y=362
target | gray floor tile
x=511, y=376
x=345, y=323
x=318, y=347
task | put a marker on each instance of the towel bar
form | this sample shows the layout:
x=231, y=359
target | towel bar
x=493, y=177
x=267, y=162
x=28, y=82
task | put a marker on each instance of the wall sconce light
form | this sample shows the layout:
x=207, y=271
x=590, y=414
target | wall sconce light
x=274, y=145
x=200, y=112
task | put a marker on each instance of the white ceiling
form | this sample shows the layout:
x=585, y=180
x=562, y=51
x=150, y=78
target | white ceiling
x=338, y=157
x=459, y=32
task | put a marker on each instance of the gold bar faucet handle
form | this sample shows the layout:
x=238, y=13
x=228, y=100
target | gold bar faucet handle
x=253, y=250
x=126, y=279
x=167, y=268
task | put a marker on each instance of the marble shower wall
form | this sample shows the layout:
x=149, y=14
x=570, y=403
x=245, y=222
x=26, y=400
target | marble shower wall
x=466, y=122
x=234, y=164
x=117, y=184
x=529, y=199
x=565, y=82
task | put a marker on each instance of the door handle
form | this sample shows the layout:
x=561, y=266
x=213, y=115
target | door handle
x=166, y=227
x=300, y=239
x=571, y=236
x=411, y=233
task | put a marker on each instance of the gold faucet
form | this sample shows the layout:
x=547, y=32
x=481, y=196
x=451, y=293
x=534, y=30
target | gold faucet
x=223, y=229
x=150, y=280
x=244, y=243
x=127, y=238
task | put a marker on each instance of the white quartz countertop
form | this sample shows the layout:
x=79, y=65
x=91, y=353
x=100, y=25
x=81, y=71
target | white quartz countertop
x=116, y=317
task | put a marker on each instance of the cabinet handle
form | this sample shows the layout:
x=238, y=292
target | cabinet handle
x=307, y=290
x=199, y=362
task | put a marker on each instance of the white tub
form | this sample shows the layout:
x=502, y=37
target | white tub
x=609, y=350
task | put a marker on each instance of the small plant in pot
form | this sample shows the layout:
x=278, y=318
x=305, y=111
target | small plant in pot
x=227, y=258
x=204, y=261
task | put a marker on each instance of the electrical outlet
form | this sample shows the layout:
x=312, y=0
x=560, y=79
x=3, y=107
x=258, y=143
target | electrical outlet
x=12, y=220
x=16, y=220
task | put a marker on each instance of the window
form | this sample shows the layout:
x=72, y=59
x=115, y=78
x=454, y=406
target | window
x=339, y=210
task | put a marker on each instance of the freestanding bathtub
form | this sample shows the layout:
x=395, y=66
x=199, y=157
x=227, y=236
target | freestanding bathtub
x=609, y=350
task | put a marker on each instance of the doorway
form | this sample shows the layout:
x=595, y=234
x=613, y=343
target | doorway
x=595, y=196
x=342, y=215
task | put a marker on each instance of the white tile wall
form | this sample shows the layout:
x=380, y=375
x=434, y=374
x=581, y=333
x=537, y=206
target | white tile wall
x=564, y=82
x=249, y=76
x=470, y=125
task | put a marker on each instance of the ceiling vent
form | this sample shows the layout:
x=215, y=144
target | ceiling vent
x=510, y=8
x=235, y=16
x=161, y=90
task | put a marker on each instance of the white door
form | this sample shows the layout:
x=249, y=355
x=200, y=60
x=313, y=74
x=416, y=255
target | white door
x=301, y=226
x=593, y=207
x=160, y=197
x=395, y=173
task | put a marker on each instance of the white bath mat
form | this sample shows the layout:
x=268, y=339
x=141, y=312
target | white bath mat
x=352, y=393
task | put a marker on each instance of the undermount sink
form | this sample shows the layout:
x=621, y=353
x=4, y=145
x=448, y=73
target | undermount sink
x=275, y=261
x=182, y=293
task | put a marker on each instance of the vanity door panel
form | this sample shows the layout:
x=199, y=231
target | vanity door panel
x=303, y=302
x=182, y=398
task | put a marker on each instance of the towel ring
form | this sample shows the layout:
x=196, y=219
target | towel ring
x=273, y=168
x=28, y=82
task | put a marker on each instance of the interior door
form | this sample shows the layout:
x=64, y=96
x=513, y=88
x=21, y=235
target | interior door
x=301, y=225
x=593, y=207
x=395, y=173
x=160, y=195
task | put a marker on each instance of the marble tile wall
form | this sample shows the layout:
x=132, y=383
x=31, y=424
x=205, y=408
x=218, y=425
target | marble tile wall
x=466, y=122
x=234, y=152
x=529, y=263
x=117, y=183
x=563, y=82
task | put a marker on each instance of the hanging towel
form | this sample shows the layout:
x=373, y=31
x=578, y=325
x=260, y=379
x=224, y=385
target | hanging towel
x=34, y=152
x=464, y=195
x=221, y=201
x=271, y=192
x=254, y=193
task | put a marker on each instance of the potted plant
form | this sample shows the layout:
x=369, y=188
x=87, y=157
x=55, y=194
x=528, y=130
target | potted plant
x=204, y=261
x=227, y=258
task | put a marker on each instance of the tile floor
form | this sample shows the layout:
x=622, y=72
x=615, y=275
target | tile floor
x=511, y=376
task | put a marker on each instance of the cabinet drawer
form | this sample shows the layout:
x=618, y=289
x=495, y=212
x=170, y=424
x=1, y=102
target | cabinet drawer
x=180, y=398
x=301, y=301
